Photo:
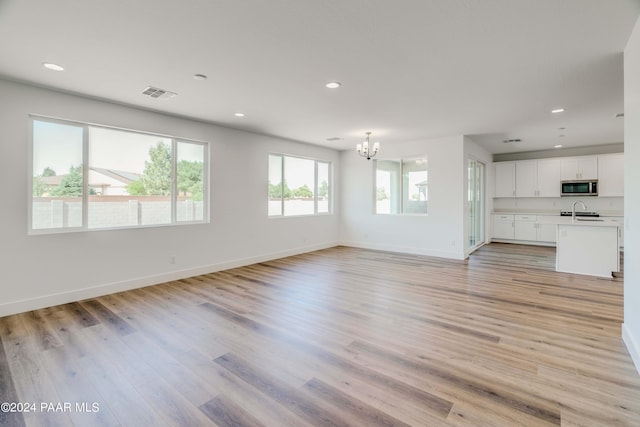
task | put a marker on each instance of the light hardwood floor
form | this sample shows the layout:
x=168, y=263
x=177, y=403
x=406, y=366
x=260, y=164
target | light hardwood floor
x=331, y=338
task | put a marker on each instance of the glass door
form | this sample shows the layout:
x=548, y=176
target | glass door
x=475, y=203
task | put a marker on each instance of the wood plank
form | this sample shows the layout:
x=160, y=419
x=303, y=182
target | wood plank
x=437, y=404
x=172, y=406
x=225, y=413
x=479, y=388
x=341, y=336
x=46, y=337
x=285, y=395
x=84, y=404
x=243, y=394
x=107, y=316
x=8, y=393
x=361, y=413
x=32, y=381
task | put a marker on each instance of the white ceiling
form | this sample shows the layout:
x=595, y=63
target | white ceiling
x=410, y=70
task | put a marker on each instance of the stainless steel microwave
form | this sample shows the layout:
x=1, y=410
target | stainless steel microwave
x=579, y=188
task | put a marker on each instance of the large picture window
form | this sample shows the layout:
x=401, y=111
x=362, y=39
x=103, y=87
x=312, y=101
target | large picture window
x=298, y=186
x=131, y=179
x=401, y=186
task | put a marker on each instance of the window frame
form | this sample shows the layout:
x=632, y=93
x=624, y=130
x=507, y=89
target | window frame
x=282, y=214
x=86, y=147
x=402, y=198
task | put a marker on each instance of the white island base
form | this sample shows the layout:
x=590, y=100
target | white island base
x=590, y=248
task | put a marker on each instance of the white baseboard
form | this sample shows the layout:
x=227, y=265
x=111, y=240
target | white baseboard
x=404, y=249
x=632, y=346
x=21, y=306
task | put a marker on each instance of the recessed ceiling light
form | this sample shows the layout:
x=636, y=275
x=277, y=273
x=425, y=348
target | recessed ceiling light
x=557, y=146
x=561, y=136
x=238, y=114
x=333, y=85
x=561, y=128
x=558, y=110
x=52, y=66
x=199, y=77
x=334, y=138
x=619, y=115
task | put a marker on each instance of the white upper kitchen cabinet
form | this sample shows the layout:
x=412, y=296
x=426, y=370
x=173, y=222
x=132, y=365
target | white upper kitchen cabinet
x=579, y=168
x=549, y=171
x=611, y=175
x=538, y=178
x=527, y=178
x=505, y=179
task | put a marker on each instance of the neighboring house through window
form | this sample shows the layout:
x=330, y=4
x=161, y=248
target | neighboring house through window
x=131, y=179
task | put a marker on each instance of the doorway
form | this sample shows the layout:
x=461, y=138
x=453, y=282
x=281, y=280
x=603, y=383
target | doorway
x=475, y=204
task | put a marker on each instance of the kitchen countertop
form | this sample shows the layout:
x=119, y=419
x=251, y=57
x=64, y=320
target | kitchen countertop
x=550, y=212
x=589, y=222
x=608, y=219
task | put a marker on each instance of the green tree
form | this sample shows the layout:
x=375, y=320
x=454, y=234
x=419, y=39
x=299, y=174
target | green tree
x=48, y=172
x=70, y=185
x=323, y=190
x=156, y=177
x=136, y=188
x=38, y=187
x=190, y=179
x=303, y=192
x=287, y=193
x=381, y=194
x=276, y=191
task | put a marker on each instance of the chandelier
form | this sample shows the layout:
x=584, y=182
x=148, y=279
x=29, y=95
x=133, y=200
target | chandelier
x=363, y=149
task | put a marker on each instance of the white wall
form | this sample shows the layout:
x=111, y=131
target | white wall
x=43, y=270
x=631, y=326
x=440, y=233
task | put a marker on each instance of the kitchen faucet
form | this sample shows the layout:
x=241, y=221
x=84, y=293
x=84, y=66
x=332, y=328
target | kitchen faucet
x=573, y=209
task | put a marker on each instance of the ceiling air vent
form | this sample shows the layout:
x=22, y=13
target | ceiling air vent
x=154, y=92
x=332, y=139
x=507, y=141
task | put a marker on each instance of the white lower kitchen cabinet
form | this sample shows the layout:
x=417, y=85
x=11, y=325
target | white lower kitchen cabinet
x=525, y=227
x=546, y=232
x=620, y=221
x=503, y=227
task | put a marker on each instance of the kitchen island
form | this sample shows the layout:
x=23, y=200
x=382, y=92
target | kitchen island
x=588, y=246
